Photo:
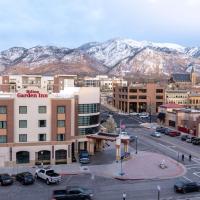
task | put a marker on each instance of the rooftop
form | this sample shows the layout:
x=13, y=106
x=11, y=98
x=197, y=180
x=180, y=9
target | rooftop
x=171, y=105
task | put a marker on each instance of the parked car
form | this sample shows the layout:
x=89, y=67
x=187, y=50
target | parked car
x=156, y=134
x=185, y=187
x=196, y=141
x=184, y=137
x=26, y=178
x=84, y=157
x=48, y=175
x=134, y=113
x=161, y=129
x=6, y=179
x=132, y=138
x=174, y=133
x=143, y=115
x=72, y=193
x=190, y=139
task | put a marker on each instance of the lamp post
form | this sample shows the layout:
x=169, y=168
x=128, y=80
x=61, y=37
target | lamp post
x=121, y=169
x=149, y=109
x=158, y=189
x=136, y=143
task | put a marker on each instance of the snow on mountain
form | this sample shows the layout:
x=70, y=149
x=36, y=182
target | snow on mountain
x=112, y=56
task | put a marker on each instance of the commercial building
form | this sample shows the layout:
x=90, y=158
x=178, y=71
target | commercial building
x=177, y=96
x=183, y=119
x=38, y=125
x=138, y=97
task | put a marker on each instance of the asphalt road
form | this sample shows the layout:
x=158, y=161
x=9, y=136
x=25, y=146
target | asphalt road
x=111, y=189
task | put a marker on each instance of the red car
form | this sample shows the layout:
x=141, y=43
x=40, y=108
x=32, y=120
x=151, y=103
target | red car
x=174, y=133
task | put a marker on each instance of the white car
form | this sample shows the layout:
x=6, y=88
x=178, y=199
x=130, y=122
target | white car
x=144, y=116
x=156, y=134
x=134, y=113
x=122, y=113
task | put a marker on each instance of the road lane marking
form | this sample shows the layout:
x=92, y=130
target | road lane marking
x=197, y=174
x=187, y=178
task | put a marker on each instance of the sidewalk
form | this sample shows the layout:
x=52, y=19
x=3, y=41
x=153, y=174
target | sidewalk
x=144, y=165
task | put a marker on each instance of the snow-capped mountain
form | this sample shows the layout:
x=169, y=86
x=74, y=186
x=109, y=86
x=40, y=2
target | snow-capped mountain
x=113, y=56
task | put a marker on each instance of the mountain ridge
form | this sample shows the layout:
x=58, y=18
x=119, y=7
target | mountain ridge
x=113, y=57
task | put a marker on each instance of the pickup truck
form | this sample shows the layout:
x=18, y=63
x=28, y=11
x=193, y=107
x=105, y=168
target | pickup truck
x=48, y=175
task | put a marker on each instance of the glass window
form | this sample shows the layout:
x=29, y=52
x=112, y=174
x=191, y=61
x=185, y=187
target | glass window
x=42, y=109
x=61, y=123
x=142, y=97
x=132, y=97
x=143, y=90
x=22, y=109
x=42, y=137
x=42, y=123
x=3, y=138
x=133, y=90
x=88, y=120
x=22, y=123
x=60, y=109
x=3, y=124
x=85, y=131
x=159, y=90
x=159, y=97
x=22, y=137
x=3, y=109
x=89, y=108
x=60, y=137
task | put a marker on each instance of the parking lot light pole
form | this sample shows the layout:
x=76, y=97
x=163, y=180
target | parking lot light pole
x=121, y=169
x=158, y=188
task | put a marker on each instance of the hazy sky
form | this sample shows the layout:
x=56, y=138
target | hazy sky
x=71, y=23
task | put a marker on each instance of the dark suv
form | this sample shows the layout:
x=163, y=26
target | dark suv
x=185, y=187
x=84, y=157
x=196, y=141
x=26, y=178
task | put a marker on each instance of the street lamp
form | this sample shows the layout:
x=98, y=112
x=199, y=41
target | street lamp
x=136, y=143
x=121, y=169
x=149, y=109
x=158, y=189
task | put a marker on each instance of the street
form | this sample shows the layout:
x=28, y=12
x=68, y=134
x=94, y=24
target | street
x=112, y=189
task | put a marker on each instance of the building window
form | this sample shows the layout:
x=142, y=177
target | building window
x=42, y=109
x=61, y=123
x=22, y=123
x=22, y=137
x=133, y=90
x=88, y=120
x=3, y=109
x=132, y=97
x=3, y=124
x=142, y=97
x=3, y=138
x=60, y=109
x=42, y=137
x=89, y=108
x=22, y=109
x=159, y=97
x=159, y=90
x=60, y=137
x=142, y=90
x=42, y=123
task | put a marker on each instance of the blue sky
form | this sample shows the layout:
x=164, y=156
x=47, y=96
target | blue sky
x=71, y=23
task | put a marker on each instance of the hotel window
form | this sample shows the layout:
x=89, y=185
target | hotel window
x=60, y=109
x=3, y=109
x=61, y=123
x=22, y=109
x=159, y=97
x=42, y=137
x=60, y=137
x=3, y=124
x=133, y=90
x=88, y=108
x=132, y=97
x=3, y=138
x=22, y=137
x=42, y=109
x=22, y=123
x=42, y=123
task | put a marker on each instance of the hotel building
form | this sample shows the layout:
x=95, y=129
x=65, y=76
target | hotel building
x=44, y=120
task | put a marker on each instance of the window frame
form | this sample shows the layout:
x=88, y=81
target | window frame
x=23, y=112
x=23, y=120
x=42, y=107
x=22, y=137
